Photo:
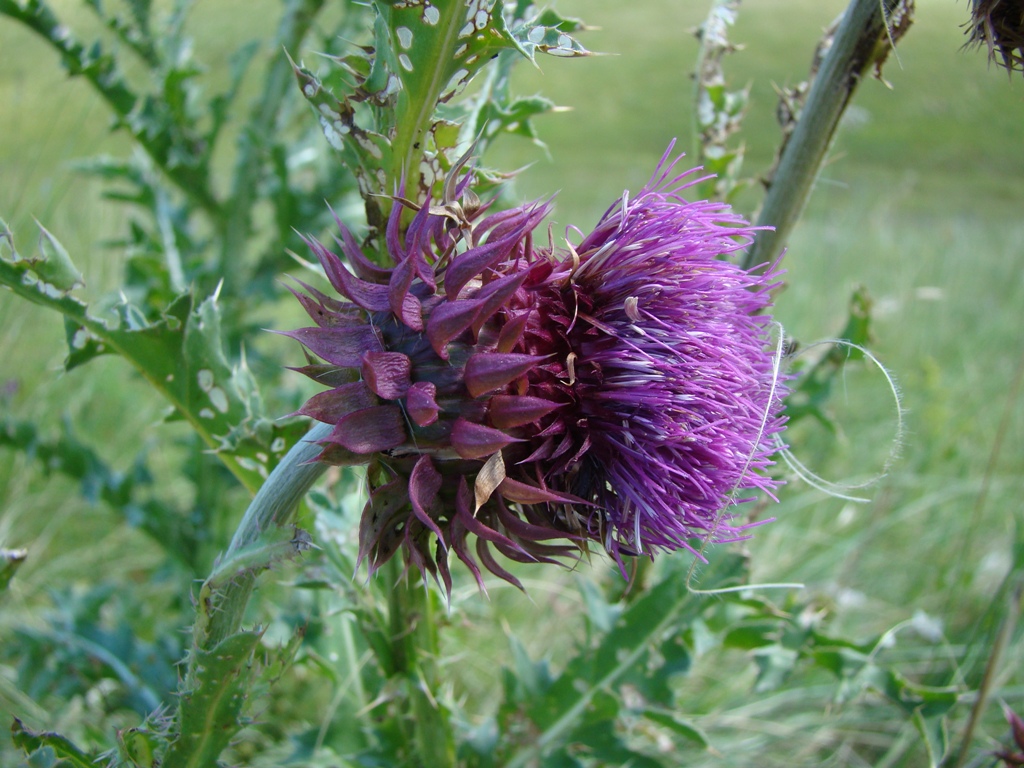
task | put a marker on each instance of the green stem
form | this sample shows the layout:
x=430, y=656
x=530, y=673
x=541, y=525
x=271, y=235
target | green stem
x=1002, y=640
x=714, y=44
x=861, y=42
x=220, y=665
x=220, y=613
x=414, y=654
x=258, y=136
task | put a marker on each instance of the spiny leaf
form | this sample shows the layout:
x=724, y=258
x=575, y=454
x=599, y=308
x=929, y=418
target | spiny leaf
x=182, y=356
x=271, y=547
x=67, y=454
x=363, y=150
x=134, y=32
x=645, y=623
x=54, y=265
x=209, y=714
x=63, y=749
x=139, y=747
x=549, y=33
x=175, y=147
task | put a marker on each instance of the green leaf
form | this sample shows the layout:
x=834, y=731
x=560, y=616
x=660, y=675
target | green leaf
x=54, y=265
x=172, y=528
x=62, y=748
x=680, y=726
x=601, y=614
x=647, y=622
x=362, y=150
x=435, y=53
x=182, y=357
x=549, y=33
x=174, y=147
x=139, y=747
x=220, y=105
x=599, y=737
x=774, y=664
x=10, y=561
x=497, y=116
x=935, y=734
x=209, y=713
x=134, y=32
x=273, y=546
x=752, y=634
x=532, y=679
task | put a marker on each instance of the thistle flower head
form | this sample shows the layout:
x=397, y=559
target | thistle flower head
x=620, y=391
x=999, y=26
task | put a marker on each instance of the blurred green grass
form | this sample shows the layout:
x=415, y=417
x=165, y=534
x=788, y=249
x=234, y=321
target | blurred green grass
x=921, y=202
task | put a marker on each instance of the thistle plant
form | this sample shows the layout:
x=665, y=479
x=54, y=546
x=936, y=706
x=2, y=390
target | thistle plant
x=486, y=391
x=622, y=391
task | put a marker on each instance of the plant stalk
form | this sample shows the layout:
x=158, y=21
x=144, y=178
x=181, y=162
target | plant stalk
x=220, y=615
x=866, y=33
x=414, y=653
x=257, y=137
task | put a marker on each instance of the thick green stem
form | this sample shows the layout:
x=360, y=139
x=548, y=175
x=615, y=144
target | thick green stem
x=414, y=654
x=220, y=664
x=862, y=41
x=222, y=607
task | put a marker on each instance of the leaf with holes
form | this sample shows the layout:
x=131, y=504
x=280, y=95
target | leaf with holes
x=364, y=151
x=549, y=33
x=182, y=357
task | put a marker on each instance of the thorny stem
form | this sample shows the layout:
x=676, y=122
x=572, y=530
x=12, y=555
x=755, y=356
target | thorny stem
x=864, y=37
x=273, y=505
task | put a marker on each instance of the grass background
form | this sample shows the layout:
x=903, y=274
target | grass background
x=921, y=202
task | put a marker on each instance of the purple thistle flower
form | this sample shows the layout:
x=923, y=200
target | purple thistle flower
x=622, y=391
